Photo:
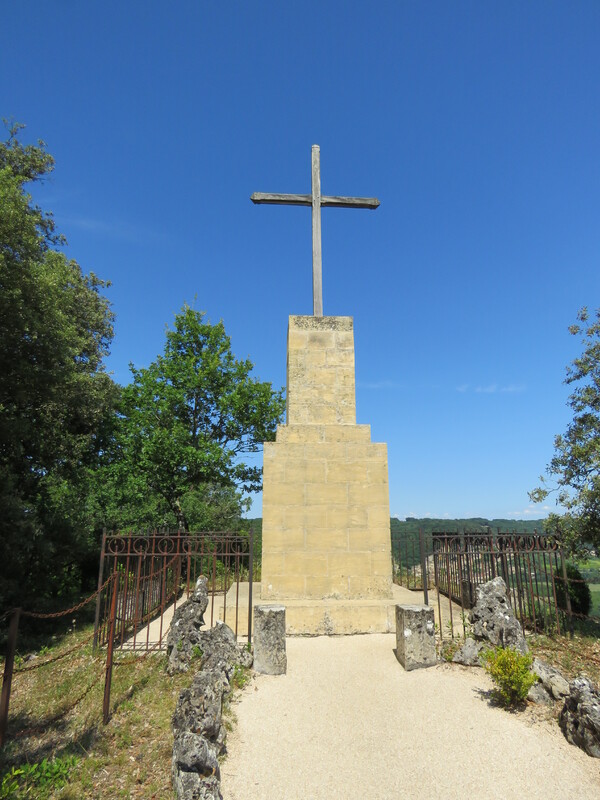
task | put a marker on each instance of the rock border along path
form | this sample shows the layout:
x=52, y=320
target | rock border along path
x=348, y=722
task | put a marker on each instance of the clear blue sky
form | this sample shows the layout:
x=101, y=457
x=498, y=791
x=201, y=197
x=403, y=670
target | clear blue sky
x=477, y=125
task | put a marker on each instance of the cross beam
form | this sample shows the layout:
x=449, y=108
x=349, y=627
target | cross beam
x=316, y=200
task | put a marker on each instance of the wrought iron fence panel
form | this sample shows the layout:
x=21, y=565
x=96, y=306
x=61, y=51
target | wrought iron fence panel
x=456, y=563
x=155, y=571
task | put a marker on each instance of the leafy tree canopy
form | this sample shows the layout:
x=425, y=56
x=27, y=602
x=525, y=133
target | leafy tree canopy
x=55, y=399
x=188, y=420
x=574, y=470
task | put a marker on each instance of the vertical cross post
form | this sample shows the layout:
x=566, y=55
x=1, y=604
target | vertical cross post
x=316, y=232
x=316, y=200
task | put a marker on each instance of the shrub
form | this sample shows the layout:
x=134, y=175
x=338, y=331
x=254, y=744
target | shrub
x=579, y=591
x=37, y=780
x=448, y=649
x=511, y=672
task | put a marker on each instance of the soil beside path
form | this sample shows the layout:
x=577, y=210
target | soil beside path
x=348, y=722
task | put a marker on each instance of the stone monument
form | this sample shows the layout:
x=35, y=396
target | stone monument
x=326, y=551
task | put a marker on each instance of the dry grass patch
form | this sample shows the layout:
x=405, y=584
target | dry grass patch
x=77, y=756
x=572, y=656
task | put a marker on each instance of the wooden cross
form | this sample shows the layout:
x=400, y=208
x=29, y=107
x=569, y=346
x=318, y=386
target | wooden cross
x=316, y=200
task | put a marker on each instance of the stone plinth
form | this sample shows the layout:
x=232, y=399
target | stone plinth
x=326, y=519
x=320, y=371
x=415, y=636
x=269, y=640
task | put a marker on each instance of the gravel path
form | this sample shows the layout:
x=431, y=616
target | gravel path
x=348, y=722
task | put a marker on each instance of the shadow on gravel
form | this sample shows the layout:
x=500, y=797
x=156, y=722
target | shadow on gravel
x=489, y=695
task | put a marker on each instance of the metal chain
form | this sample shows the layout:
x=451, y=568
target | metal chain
x=42, y=727
x=58, y=657
x=79, y=606
x=56, y=614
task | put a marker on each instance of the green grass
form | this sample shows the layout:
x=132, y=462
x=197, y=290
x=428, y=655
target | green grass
x=595, y=591
x=572, y=655
x=77, y=757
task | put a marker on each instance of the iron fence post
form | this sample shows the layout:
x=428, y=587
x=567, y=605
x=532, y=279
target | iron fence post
x=109, y=653
x=567, y=596
x=98, y=598
x=423, y=567
x=8, y=672
x=250, y=579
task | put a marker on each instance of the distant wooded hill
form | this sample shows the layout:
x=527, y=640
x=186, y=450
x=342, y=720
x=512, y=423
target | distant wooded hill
x=474, y=525
x=428, y=524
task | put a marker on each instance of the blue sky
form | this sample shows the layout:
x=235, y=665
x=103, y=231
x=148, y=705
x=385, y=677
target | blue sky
x=477, y=125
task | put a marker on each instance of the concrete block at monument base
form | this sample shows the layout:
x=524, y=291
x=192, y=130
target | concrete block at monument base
x=269, y=640
x=415, y=636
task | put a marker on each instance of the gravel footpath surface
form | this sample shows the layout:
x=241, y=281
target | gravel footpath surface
x=348, y=722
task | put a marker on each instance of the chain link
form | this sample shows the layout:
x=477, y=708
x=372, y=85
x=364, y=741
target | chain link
x=58, y=657
x=45, y=724
x=56, y=614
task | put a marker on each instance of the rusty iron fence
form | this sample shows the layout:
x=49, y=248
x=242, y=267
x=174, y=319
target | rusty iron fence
x=411, y=554
x=141, y=579
x=155, y=571
x=453, y=564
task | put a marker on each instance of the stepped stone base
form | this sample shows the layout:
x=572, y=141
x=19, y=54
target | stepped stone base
x=326, y=518
x=322, y=617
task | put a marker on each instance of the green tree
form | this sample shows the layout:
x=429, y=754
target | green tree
x=189, y=420
x=574, y=470
x=56, y=401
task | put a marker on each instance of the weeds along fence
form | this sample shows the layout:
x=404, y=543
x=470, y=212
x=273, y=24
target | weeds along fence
x=140, y=578
x=533, y=566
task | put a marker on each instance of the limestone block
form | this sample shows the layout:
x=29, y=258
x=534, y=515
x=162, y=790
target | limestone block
x=379, y=586
x=354, y=518
x=309, y=518
x=326, y=539
x=320, y=371
x=326, y=494
x=269, y=640
x=283, y=540
x=330, y=450
x=366, y=494
x=323, y=433
x=346, y=471
x=277, y=587
x=340, y=356
x=319, y=588
x=378, y=516
x=306, y=563
x=415, y=636
x=374, y=539
x=273, y=563
x=283, y=494
x=301, y=471
x=348, y=564
x=381, y=562
x=374, y=451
